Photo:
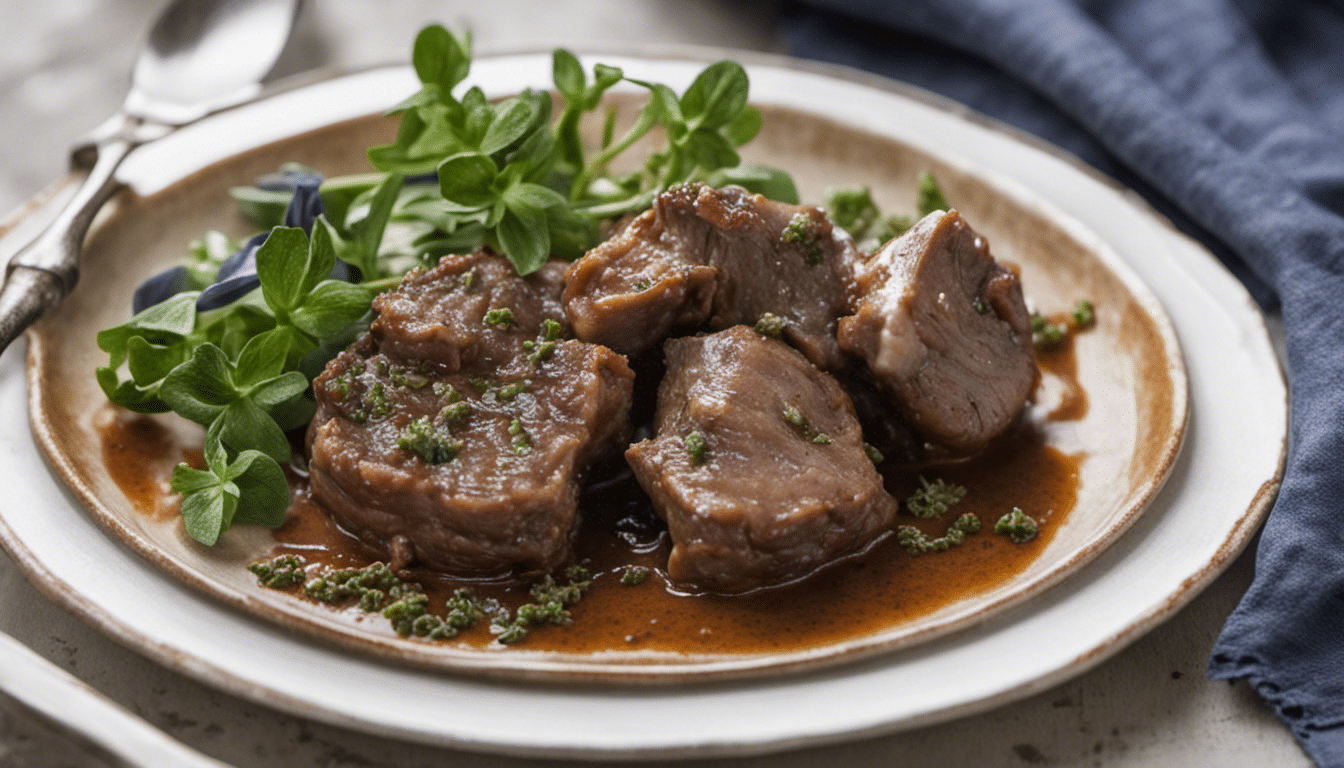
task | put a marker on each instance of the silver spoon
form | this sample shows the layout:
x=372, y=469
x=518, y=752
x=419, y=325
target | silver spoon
x=201, y=56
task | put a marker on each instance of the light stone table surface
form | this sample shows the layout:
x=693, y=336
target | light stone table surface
x=63, y=66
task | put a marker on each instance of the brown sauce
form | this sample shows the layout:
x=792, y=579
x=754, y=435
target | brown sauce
x=1063, y=364
x=876, y=590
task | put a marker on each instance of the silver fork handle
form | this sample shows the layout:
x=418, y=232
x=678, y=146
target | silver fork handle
x=43, y=274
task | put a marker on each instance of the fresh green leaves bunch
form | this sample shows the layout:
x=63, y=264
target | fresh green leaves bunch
x=238, y=372
x=506, y=175
x=511, y=178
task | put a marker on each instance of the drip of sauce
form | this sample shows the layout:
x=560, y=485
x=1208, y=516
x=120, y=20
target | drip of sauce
x=1062, y=363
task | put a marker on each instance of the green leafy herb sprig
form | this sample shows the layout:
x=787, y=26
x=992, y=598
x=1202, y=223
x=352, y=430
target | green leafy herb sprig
x=507, y=175
x=242, y=372
x=510, y=177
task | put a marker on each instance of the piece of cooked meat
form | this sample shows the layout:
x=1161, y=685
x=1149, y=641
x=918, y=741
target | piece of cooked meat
x=945, y=331
x=758, y=465
x=440, y=314
x=465, y=463
x=718, y=256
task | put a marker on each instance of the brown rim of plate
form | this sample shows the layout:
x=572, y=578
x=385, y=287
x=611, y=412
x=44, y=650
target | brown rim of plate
x=1240, y=535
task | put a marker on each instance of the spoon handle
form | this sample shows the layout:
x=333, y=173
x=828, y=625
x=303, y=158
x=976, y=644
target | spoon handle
x=41, y=275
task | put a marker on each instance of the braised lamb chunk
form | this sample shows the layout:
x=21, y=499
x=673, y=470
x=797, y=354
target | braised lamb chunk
x=471, y=308
x=462, y=459
x=718, y=256
x=945, y=331
x=758, y=465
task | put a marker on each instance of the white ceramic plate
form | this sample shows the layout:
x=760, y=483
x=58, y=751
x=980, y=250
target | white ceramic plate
x=1216, y=496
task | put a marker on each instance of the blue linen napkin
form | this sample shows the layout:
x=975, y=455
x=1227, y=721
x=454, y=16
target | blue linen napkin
x=1228, y=115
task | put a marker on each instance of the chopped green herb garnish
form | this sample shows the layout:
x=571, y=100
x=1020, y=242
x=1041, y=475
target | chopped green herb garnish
x=933, y=499
x=643, y=285
x=282, y=571
x=771, y=325
x=510, y=391
x=522, y=445
x=550, y=606
x=799, y=422
x=916, y=542
x=929, y=197
x=1046, y=335
x=634, y=575
x=376, y=401
x=873, y=454
x=1017, y=526
x=544, y=347
x=853, y=209
x=500, y=317
x=981, y=308
x=410, y=615
x=468, y=279
x=802, y=229
x=369, y=586
x=446, y=392
x=433, y=444
x=454, y=413
x=375, y=588
x=1084, y=314
x=411, y=379
x=696, y=447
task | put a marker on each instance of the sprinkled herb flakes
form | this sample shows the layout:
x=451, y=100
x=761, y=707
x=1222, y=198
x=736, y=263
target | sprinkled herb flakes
x=771, y=325
x=933, y=499
x=376, y=589
x=431, y=442
x=696, y=447
x=634, y=575
x=522, y=444
x=283, y=571
x=1017, y=526
x=799, y=422
x=916, y=542
x=1045, y=335
x=500, y=317
x=802, y=229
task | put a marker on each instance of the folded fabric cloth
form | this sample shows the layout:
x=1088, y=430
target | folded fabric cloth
x=1228, y=115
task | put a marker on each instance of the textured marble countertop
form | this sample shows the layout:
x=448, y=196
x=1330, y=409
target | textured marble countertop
x=62, y=70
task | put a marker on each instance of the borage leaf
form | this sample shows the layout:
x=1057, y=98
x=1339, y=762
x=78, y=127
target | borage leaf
x=440, y=58
x=368, y=233
x=762, y=179
x=162, y=324
x=745, y=126
x=262, y=358
x=200, y=388
x=467, y=179
x=285, y=266
x=247, y=426
x=208, y=507
x=149, y=363
x=567, y=72
x=513, y=119
x=263, y=492
x=524, y=237
x=717, y=96
x=331, y=308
